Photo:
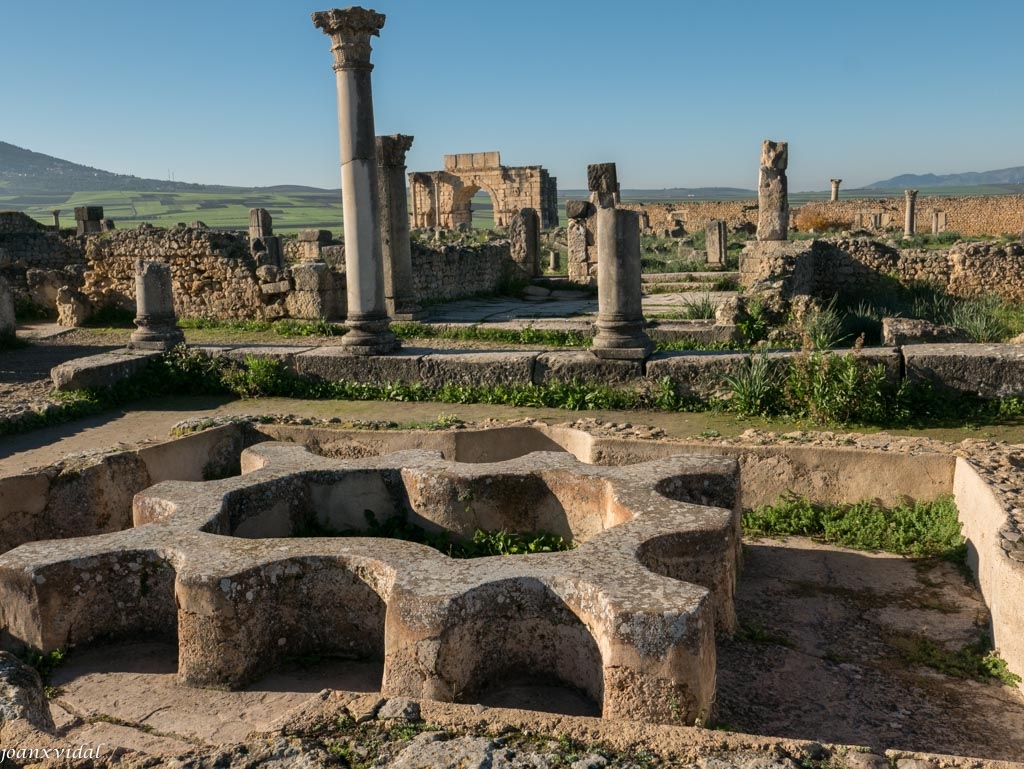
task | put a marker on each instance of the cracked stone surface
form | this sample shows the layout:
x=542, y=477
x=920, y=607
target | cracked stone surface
x=627, y=617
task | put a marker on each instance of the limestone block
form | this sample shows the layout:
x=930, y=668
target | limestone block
x=311, y=276
x=305, y=305
x=602, y=178
x=334, y=364
x=104, y=370
x=581, y=365
x=988, y=370
x=322, y=237
x=478, y=368
x=901, y=331
x=272, y=289
x=7, y=321
x=21, y=694
x=579, y=209
x=73, y=309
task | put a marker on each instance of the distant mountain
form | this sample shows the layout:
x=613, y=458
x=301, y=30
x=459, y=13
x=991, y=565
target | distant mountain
x=972, y=178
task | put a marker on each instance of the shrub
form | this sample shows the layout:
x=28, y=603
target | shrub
x=820, y=221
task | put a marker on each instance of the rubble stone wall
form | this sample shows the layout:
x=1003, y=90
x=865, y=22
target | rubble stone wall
x=458, y=270
x=858, y=266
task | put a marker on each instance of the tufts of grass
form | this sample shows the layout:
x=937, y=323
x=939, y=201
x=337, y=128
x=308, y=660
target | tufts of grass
x=920, y=529
x=977, y=660
x=550, y=338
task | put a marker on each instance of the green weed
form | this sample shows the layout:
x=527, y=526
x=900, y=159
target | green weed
x=921, y=529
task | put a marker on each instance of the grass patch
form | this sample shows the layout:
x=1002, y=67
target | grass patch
x=977, y=660
x=549, y=338
x=286, y=327
x=920, y=529
x=481, y=545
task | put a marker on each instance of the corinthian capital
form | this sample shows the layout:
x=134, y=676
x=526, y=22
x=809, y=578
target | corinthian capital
x=350, y=30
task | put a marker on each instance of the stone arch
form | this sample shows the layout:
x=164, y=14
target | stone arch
x=518, y=631
x=442, y=198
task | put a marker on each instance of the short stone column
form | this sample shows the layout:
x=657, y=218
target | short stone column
x=154, y=313
x=395, y=243
x=772, y=192
x=7, y=320
x=876, y=220
x=938, y=221
x=350, y=30
x=56, y=220
x=524, y=243
x=716, y=241
x=835, y=189
x=264, y=245
x=619, y=328
x=310, y=242
x=554, y=261
x=910, y=215
x=581, y=267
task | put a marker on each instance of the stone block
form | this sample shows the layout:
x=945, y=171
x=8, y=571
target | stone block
x=88, y=213
x=73, y=308
x=581, y=365
x=312, y=276
x=602, y=178
x=579, y=209
x=901, y=331
x=315, y=236
x=336, y=364
x=273, y=289
x=478, y=368
x=283, y=353
x=7, y=321
x=22, y=695
x=987, y=370
x=104, y=370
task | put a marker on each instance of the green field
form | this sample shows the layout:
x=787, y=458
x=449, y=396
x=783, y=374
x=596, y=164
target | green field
x=291, y=210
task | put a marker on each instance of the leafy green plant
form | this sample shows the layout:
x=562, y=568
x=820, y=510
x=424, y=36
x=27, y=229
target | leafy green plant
x=753, y=323
x=981, y=318
x=822, y=326
x=976, y=660
x=909, y=528
x=701, y=307
x=753, y=390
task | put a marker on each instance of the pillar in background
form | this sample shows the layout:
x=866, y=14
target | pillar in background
x=835, y=189
x=773, y=192
x=716, y=241
x=154, y=308
x=619, y=328
x=396, y=247
x=350, y=30
x=910, y=214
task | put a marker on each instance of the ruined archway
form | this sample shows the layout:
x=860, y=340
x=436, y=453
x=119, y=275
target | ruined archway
x=444, y=198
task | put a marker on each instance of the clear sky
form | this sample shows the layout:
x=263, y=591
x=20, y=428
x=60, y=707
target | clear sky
x=677, y=93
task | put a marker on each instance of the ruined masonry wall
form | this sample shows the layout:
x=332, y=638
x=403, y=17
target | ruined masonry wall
x=455, y=271
x=976, y=215
x=213, y=274
x=858, y=266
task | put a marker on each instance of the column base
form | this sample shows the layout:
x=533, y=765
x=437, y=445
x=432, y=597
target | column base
x=621, y=340
x=371, y=337
x=156, y=338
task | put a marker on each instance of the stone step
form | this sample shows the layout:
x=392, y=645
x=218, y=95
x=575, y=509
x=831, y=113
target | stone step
x=675, y=277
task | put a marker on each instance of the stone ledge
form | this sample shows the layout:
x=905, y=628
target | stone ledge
x=104, y=370
x=987, y=370
x=583, y=366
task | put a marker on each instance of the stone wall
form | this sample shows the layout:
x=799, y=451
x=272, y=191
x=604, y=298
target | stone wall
x=16, y=221
x=859, y=266
x=458, y=270
x=695, y=216
x=977, y=215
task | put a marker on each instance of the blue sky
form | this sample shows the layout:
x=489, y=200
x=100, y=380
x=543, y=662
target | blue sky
x=677, y=93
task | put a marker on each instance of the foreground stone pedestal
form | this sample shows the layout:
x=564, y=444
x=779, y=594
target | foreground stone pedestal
x=157, y=324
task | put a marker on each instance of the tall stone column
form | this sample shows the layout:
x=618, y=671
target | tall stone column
x=910, y=215
x=350, y=30
x=835, y=189
x=56, y=220
x=395, y=245
x=773, y=192
x=619, y=328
